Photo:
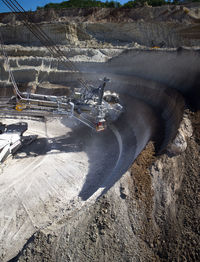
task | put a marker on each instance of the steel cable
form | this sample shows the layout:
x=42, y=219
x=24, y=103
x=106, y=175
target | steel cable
x=16, y=8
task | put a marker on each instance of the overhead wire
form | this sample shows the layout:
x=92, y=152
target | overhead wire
x=19, y=14
x=45, y=40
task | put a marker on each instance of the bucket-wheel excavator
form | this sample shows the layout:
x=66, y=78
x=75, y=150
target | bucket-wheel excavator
x=88, y=104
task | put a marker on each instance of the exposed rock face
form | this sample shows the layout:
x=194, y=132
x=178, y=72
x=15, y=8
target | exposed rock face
x=151, y=213
x=179, y=144
x=176, y=199
x=143, y=33
x=168, y=26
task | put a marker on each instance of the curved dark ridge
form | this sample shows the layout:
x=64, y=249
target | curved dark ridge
x=111, y=153
x=167, y=104
x=161, y=78
x=175, y=69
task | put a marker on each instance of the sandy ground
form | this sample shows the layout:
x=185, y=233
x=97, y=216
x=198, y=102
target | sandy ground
x=66, y=168
x=37, y=183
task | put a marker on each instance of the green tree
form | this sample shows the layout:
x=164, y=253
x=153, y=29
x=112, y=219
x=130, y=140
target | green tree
x=109, y=4
x=136, y=3
x=83, y=3
x=129, y=4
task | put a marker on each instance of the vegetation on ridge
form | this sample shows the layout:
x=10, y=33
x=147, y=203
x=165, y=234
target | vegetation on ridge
x=83, y=3
x=111, y=4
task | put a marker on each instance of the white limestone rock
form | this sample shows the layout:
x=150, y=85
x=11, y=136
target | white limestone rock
x=179, y=144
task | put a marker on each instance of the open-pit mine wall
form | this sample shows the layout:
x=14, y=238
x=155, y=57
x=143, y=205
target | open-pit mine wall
x=168, y=26
x=137, y=50
x=93, y=35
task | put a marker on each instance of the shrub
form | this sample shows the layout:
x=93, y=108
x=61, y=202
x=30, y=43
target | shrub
x=83, y=3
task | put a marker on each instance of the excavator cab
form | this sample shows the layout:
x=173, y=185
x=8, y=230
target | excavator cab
x=101, y=125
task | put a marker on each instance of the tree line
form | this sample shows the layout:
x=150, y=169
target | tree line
x=112, y=4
